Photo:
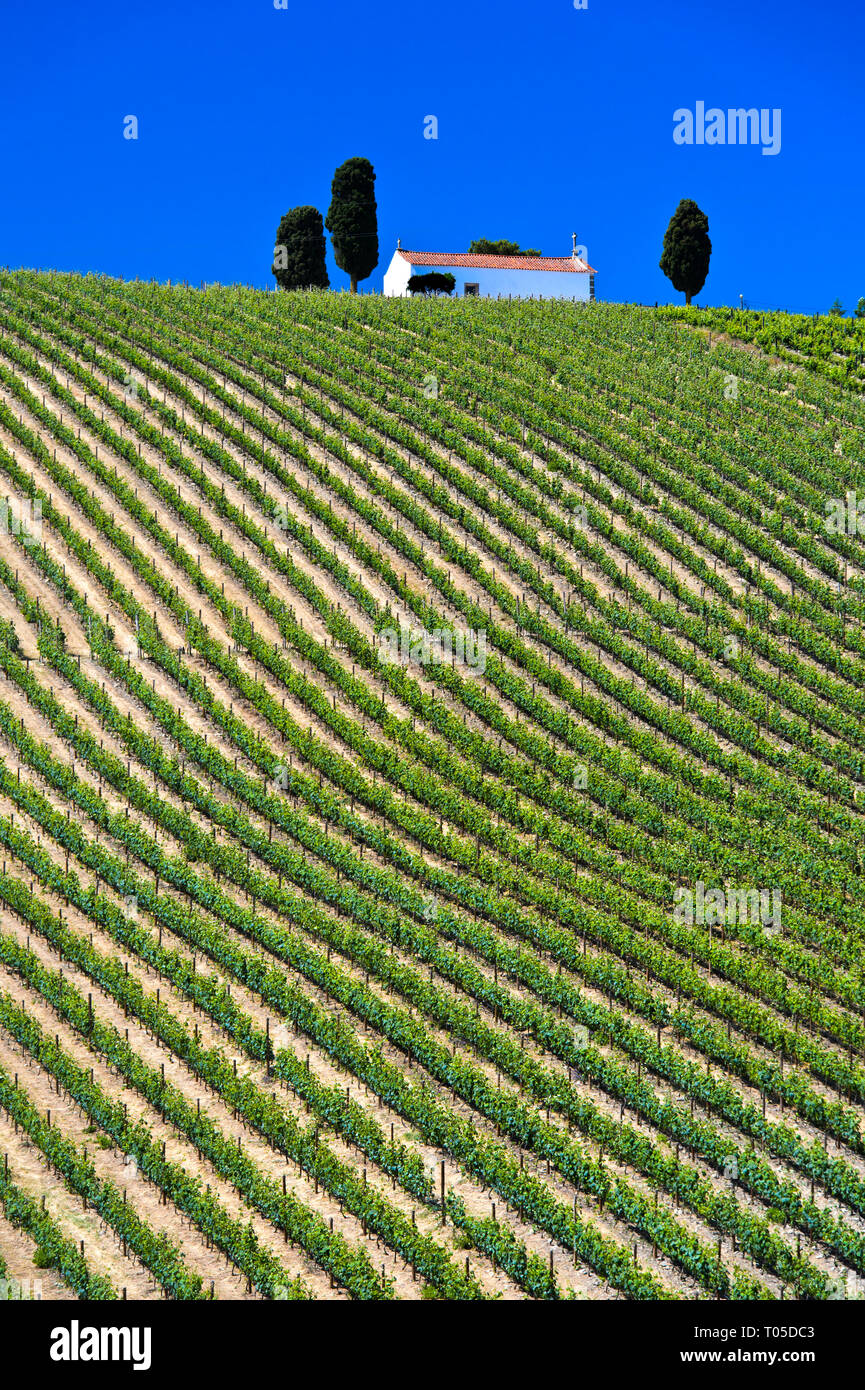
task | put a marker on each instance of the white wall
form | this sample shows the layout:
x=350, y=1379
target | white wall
x=397, y=276
x=546, y=284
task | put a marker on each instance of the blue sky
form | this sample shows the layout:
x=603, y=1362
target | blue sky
x=550, y=120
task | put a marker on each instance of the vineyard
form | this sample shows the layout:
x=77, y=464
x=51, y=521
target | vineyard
x=341, y=963
x=831, y=345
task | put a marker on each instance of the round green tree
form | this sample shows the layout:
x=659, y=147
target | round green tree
x=352, y=221
x=687, y=248
x=298, y=255
x=433, y=283
x=483, y=246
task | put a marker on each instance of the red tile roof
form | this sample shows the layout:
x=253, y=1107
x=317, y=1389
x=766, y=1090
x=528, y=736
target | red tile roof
x=472, y=261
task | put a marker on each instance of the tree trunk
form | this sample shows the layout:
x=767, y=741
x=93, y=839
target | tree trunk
x=354, y=284
x=687, y=298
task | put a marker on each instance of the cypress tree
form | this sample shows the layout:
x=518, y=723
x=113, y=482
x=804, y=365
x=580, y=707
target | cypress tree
x=351, y=219
x=298, y=255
